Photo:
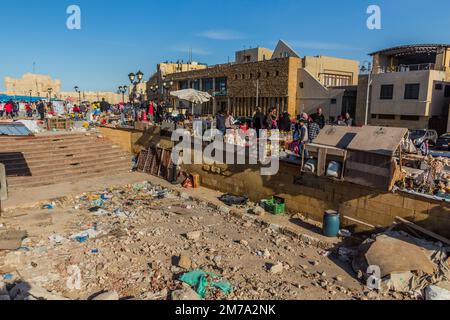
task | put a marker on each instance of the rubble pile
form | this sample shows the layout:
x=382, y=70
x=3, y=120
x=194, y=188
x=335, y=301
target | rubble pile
x=142, y=241
x=433, y=181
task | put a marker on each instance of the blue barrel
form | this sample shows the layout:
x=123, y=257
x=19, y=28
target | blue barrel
x=331, y=224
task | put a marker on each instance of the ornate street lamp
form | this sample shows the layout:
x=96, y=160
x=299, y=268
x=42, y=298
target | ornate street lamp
x=123, y=90
x=49, y=90
x=77, y=90
x=132, y=77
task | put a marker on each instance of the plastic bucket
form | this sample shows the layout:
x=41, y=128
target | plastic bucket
x=331, y=224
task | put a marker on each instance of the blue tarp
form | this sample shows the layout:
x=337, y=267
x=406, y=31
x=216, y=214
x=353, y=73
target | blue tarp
x=4, y=97
x=14, y=129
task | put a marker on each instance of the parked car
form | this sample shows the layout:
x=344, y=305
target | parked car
x=443, y=143
x=420, y=136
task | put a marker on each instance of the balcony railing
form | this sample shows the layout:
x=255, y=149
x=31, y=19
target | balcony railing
x=408, y=68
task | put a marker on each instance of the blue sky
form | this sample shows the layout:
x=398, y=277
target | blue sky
x=118, y=37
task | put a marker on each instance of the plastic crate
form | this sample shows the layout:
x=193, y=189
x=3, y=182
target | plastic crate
x=275, y=205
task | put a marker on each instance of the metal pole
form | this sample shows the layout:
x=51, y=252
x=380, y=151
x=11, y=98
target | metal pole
x=257, y=93
x=366, y=122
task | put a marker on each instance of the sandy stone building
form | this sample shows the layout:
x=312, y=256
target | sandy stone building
x=285, y=80
x=409, y=87
x=37, y=85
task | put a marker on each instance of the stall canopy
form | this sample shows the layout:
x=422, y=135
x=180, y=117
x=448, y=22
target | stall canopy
x=193, y=96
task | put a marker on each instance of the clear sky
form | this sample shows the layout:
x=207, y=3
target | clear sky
x=118, y=37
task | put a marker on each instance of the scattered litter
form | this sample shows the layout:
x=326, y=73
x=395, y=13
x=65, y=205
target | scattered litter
x=49, y=206
x=345, y=233
x=56, y=238
x=203, y=281
x=7, y=277
x=231, y=200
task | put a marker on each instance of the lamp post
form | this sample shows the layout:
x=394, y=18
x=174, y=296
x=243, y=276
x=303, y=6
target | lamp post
x=167, y=86
x=123, y=90
x=77, y=90
x=135, y=82
x=154, y=89
x=367, y=67
x=49, y=90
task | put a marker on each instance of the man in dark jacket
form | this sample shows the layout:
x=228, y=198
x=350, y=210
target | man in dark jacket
x=104, y=106
x=41, y=110
x=319, y=118
x=220, y=122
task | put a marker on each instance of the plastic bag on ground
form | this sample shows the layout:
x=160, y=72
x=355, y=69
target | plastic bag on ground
x=199, y=280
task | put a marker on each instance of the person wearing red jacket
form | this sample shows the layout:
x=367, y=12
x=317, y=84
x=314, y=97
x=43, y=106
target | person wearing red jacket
x=28, y=110
x=151, y=111
x=9, y=107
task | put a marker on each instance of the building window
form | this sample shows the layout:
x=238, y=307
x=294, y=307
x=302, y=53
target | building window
x=410, y=118
x=277, y=73
x=268, y=74
x=243, y=76
x=235, y=77
x=221, y=85
x=251, y=75
x=438, y=86
x=374, y=116
x=333, y=101
x=386, y=117
x=412, y=91
x=387, y=92
x=336, y=80
x=207, y=84
x=447, y=91
x=258, y=75
x=302, y=85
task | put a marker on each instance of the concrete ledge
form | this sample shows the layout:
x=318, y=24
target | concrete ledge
x=3, y=183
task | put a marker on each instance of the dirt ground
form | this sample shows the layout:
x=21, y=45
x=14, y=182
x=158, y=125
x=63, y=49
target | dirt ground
x=137, y=236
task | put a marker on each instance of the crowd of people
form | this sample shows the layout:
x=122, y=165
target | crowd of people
x=85, y=111
x=303, y=129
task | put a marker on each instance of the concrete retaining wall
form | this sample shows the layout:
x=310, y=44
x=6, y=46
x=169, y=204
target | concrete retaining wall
x=311, y=196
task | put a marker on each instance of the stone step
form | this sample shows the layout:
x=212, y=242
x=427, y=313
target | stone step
x=68, y=175
x=30, y=154
x=26, y=169
x=57, y=158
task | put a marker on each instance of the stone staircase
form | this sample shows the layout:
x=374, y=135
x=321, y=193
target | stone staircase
x=51, y=159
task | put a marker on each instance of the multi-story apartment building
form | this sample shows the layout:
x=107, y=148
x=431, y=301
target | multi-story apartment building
x=281, y=79
x=409, y=87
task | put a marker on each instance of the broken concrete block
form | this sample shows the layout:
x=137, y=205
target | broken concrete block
x=277, y=268
x=107, y=296
x=11, y=239
x=186, y=294
x=194, y=235
x=184, y=262
x=23, y=290
x=436, y=293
